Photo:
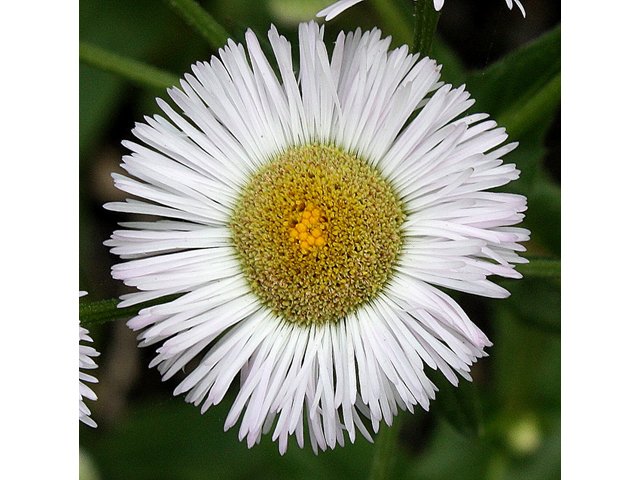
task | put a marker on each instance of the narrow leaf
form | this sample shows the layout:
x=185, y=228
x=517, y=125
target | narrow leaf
x=385, y=451
x=200, y=20
x=540, y=106
x=94, y=313
x=460, y=406
x=522, y=89
x=541, y=268
x=134, y=70
x=396, y=18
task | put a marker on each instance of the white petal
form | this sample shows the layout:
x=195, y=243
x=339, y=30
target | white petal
x=336, y=9
x=230, y=117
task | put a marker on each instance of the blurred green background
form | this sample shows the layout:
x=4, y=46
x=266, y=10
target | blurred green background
x=506, y=425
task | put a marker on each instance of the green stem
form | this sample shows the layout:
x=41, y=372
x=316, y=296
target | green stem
x=547, y=268
x=426, y=22
x=200, y=20
x=95, y=313
x=386, y=451
x=138, y=72
x=540, y=105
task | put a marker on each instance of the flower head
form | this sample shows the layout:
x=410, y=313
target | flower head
x=340, y=6
x=306, y=222
x=86, y=362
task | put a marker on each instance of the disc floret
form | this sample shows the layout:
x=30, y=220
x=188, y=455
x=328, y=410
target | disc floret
x=317, y=231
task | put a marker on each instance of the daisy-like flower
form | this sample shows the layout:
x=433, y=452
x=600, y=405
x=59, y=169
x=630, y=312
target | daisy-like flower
x=86, y=362
x=306, y=222
x=340, y=6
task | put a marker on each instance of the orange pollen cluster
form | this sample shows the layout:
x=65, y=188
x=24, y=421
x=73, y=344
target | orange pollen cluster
x=308, y=229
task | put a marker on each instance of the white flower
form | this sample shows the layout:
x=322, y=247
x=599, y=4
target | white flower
x=86, y=362
x=307, y=222
x=340, y=6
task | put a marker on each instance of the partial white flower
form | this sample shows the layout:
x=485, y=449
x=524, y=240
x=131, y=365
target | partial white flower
x=86, y=362
x=340, y=6
x=306, y=223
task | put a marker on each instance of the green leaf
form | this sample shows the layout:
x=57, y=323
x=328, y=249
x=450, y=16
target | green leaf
x=128, y=68
x=102, y=311
x=94, y=313
x=535, y=302
x=201, y=22
x=541, y=105
x=453, y=71
x=540, y=267
x=544, y=215
x=385, y=451
x=295, y=11
x=398, y=19
x=522, y=90
x=135, y=30
x=450, y=456
x=525, y=357
x=460, y=406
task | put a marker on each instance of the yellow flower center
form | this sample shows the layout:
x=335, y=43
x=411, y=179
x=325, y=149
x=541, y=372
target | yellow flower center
x=317, y=231
x=308, y=228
